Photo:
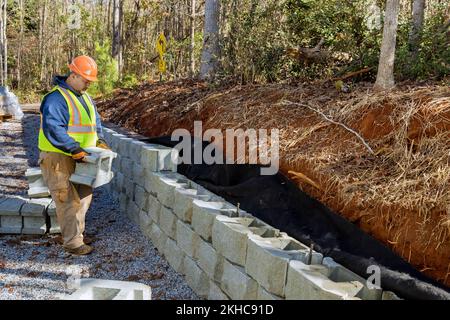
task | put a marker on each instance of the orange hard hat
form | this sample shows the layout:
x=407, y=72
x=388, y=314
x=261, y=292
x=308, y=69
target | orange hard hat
x=84, y=66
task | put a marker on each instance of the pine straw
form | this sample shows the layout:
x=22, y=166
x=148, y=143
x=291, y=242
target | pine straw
x=406, y=180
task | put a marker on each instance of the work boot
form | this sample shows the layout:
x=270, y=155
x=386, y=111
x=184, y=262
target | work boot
x=86, y=239
x=81, y=250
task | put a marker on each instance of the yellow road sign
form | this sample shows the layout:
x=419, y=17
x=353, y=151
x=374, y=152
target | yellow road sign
x=161, y=44
x=162, y=65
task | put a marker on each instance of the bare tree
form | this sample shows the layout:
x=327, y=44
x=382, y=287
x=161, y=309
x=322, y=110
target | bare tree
x=210, y=53
x=415, y=35
x=192, y=45
x=3, y=44
x=117, y=34
x=385, y=76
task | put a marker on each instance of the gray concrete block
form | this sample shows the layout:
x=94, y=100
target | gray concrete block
x=124, y=146
x=128, y=187
x=187, y=239
x=11, y=206
x=268, y=258
x=119, y=177
x=99, y=289
x=34, y=225
x=215, y=293
x=115, y=140
x=237, y=284
x=263, y=294
x=136, y=150
x=183, y=199
x=123, y=202
x=145, y=222
x=37, y=188
x=165, y=186
x=204, y=214
x=11, y=224
x=174, y=255
x=51, y=209
x=35, y=207
x=168, y=222
x=158, y=158
x=309, y=282
x=139, y=175
x=126, y=167
x=339, y=273
x=54, y=226
x=141, y=198
x=154, y=209
x=133, y=212
x=210, y=261
x=158, y=237
x=196, y=278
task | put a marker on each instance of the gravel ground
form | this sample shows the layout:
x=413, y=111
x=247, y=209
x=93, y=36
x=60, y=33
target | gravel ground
x=36, y=267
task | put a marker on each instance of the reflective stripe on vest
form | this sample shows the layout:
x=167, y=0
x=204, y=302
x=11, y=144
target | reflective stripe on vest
x=81, y=127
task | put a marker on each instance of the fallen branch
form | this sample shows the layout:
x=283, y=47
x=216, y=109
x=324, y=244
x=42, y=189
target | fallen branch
x=352, y=74
x=286, y=102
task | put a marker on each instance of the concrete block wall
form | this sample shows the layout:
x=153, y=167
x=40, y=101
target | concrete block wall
x=19, y=215
x=223, y=251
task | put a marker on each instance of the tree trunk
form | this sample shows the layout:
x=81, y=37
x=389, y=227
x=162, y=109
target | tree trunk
x=385, y=75
x=117, y=38
x=210, y=53
x=415, y=35
x=3, y=45
x=19, y=49
x=42, y=49
x=192, y=45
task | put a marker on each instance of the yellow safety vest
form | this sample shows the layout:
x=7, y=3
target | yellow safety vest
x=81, y=127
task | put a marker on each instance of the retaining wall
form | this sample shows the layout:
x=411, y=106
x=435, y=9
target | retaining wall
x=223, y=252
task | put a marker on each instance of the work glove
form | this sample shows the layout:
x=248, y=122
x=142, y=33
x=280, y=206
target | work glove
x=102, y=144
x=79, y=154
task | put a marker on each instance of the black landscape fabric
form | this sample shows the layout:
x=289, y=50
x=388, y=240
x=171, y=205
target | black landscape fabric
x=277, y=201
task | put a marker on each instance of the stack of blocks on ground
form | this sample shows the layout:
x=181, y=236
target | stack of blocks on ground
x=19, y=215
x=223, y=252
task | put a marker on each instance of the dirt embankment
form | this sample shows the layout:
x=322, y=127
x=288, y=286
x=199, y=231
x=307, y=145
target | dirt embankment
x=399, y=194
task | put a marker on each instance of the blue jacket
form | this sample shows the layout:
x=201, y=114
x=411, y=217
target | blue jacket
x=55, y=118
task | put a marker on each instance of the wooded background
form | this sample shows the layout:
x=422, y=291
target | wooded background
x=233, y=40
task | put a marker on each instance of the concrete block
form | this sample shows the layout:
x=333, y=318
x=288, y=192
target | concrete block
x=183, y=199
x=166, y=185
x=339, y=273
x=139, y=174
x=118, y=177
x=196, y=278
x=34, y=225
x=126, y=167
x=141, y=197
x=136, y=150
x=133, y=212
x=229, y=236
x=174, y=255
x=309, y=282
x=204, y=214
x=215, y=293
x=210, y=261
x=54, y=226
x=11, y=224
x=37, y=188
x=145, y=222
x=35, y=207
x=115, y=140
x=123, y=202
x=51, y=209
x=263, y=294
x=158, y=158
x=154, y=209
x=95, y=170
x=268, y=258
x=11, y=206
x=128, y=187
x=168, y=222
x=124, y=146
x=158, y=237
x=237, y=284
x=116, y=164
x=187, y=239
x=97, y=289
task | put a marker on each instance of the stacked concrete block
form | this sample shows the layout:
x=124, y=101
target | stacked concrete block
x=195, y=277
x=10, y=218
x=187, y=239
x=210, y=261
x=263, y=294
x=141, y=198
x=268, y=259
x=34, y=216
x=183, y=199
x=154, y=208
x=136, y=150
x=338, y=273
x=215, y=293
x=158, y=158
x=174, y=255
x=145, y=223
x=168, y=222
x=51, y=212
x=124, y=146
x=133, y=212
x=37, y=188
x=204, y=214
x=237, y=284
x=126, y=167
x=165, y=185
x=158, y=237
x=310, y=282
x=115, y=140
x=139, y=175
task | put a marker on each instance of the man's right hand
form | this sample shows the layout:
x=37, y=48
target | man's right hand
x=79, y=154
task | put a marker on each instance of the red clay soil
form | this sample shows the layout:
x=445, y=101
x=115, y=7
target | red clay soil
x=399, y=194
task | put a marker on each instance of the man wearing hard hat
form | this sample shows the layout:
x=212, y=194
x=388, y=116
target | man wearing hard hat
x=69, y=124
